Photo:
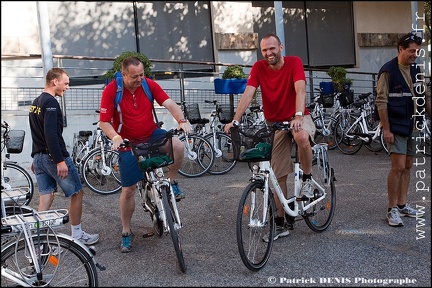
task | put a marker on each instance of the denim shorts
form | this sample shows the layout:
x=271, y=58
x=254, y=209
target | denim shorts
x=47, y=179
x=130, y=173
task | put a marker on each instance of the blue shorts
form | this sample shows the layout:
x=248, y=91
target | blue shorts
x=130, y=173
x=47, y=179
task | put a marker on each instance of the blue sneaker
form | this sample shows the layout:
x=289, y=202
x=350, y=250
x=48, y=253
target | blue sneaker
x=126, y=244
x=177, y=192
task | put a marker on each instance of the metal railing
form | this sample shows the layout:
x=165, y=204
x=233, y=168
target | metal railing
x=194, y=84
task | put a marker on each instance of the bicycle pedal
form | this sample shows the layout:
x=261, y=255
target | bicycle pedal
x=149, y=234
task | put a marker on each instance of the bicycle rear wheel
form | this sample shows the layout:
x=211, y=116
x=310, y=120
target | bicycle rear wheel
x=16, y=178
x=325, y=131
x=63, y=262
x=347, y=135
x=173, y=226
x=198, y=156
x=251, y=229
x=319, y=216
x=224, y=154
x=100, y=178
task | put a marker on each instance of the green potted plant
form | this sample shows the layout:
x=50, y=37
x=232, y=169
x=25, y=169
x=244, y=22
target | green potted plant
x=233, y=81
x=338, y=77
x=117, y=66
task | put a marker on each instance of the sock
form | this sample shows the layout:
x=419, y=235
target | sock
x=76, y=231
x=401, y=206
x=279, y=221
x=306, y=176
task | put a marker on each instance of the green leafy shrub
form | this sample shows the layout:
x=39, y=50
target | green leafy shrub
x=338, y=77
x=234, y=71
x=117, y=66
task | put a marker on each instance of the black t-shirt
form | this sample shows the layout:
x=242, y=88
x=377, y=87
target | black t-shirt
x=46, y=126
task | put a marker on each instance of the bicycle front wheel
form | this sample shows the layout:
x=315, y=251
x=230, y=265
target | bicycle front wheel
x=63, y=263
x=224, y=154
x=254, y=225
x=100, y=171
x=16, y=178
x=173, y=226
x=198, y=156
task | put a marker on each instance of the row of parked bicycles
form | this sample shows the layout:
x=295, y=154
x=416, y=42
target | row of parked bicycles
x=349, y=124
x=33, y=252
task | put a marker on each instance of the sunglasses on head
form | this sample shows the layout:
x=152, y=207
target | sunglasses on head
x=418, y=40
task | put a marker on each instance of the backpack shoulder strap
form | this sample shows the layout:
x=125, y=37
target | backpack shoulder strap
x=119, y=95
x=150, y=97
x=118, y=98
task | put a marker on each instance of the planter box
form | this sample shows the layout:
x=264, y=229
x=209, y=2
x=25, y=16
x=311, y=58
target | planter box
x=229, y=86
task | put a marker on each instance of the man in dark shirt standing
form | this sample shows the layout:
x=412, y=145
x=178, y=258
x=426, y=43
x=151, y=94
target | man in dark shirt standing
x=52, y=163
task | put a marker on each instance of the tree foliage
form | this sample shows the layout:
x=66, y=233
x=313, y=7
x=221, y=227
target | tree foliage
x=117, y=66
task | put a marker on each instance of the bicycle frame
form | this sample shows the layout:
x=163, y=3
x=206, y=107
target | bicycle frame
x=156, y=179
x=266, y=174
x=368, y=135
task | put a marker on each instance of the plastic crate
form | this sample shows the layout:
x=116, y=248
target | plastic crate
x=327, y=100
x=192, y=113
x=155, y=154
x=346, y=98
x=326, y=88
x=225, y=114
x=252, y=146
x=15, y=143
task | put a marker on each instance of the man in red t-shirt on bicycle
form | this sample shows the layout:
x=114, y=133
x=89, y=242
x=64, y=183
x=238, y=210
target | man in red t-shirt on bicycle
x=283, y=88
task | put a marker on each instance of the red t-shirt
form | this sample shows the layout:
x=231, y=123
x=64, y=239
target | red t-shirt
x=277, y=87
x=137, y=114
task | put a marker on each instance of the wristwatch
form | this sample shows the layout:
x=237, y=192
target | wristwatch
x=182, y=121
x=298, y=114
x=236, y=123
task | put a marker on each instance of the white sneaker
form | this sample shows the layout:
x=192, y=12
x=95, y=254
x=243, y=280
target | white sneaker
x=307, y=189
x=393, y=217
x=88, y=239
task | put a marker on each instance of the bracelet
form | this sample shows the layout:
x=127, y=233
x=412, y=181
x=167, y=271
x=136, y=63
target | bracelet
x=298, y=114
x=113, y=139
x=182, y=121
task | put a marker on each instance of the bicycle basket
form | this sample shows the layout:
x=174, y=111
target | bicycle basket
x=155, y=154
x=193, y=113
x=252, y=146
x=346, y=98
x=327, y=100
x=225, y=114
x=15, y=142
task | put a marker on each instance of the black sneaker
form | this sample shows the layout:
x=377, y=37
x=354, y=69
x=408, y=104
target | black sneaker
x=281, y=231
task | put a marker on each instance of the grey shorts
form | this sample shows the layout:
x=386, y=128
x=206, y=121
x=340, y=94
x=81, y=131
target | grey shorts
x=47, y=179
x=403, y=145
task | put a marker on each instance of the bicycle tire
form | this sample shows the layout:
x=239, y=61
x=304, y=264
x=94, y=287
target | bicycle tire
x=223, y=161
x=173, y=231
x=75, y=267
x=198, y=156
x=255, y=252
x=98, y=179
x=348, y=143
x=322, y=137
x=320, y=215
x=16, y=177
x=376, y=144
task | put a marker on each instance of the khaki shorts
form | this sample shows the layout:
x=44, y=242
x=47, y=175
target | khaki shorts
x=281, y=161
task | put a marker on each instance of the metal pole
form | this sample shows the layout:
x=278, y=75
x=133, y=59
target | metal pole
x=45, y=38
x=279, y=22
